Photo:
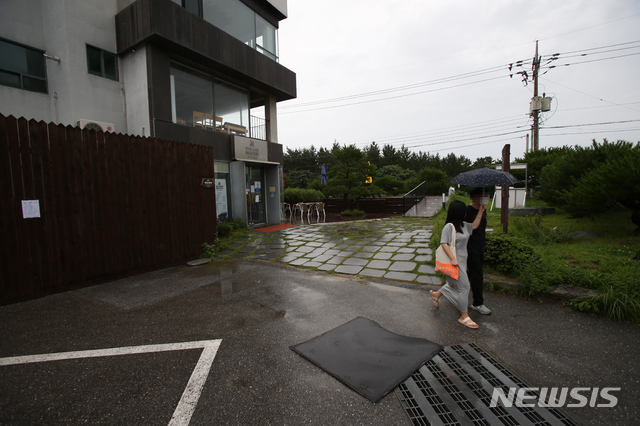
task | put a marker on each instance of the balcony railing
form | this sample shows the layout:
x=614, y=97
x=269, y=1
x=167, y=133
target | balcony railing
x=258, y=128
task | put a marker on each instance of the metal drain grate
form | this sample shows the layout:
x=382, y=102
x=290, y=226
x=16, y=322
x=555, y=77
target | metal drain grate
x=455, y=388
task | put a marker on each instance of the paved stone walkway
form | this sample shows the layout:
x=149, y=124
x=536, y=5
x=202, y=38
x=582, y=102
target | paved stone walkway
x=392, y=248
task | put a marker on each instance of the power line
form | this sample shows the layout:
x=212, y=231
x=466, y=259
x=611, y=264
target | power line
x=400, y=88
x=393, y=97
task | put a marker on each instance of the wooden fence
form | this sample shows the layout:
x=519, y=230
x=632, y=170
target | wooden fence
x=110, y=205
x=379, y=205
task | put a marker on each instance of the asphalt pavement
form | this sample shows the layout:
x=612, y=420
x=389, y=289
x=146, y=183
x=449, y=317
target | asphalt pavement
x=124, y=355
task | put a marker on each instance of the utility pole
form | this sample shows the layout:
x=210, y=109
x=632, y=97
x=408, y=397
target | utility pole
x=536, y=111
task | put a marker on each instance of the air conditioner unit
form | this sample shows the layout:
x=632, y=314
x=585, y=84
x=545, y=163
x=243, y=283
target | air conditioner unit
x=96, y=125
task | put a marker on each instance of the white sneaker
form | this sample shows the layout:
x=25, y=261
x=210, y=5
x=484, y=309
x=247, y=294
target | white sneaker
x=482, y=309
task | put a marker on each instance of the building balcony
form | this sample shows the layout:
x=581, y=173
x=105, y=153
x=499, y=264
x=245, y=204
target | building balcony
x=181, y=33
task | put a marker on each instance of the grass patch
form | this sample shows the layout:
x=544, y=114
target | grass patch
x=228, y=234
x=352, y=212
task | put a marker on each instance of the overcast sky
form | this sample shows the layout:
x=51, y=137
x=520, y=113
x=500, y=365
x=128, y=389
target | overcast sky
x=355, y=58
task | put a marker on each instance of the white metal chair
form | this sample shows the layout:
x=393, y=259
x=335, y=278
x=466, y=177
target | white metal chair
x=304, y=208
x=320, y=208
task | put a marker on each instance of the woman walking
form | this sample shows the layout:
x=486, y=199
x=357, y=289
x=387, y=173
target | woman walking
x=457, y=291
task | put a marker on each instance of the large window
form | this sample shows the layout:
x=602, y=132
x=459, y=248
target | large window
x=231, y=16
x=102, y=63
x=191, y=96
x=22, y=67
x=200, y=101
x=237, y=19
x=232, y=105
x=266, y=38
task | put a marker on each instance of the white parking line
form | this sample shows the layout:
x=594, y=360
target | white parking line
x=190, y=396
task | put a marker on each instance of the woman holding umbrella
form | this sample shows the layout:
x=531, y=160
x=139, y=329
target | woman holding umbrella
x=457, y=291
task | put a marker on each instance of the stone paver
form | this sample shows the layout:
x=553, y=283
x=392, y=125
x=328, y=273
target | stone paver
x=402, y=276
x=379, y=264
x=348, y=269
x=427, y=269
x=389, y=248
x=382, y=256
x=356, y=262
x=376, y=273
x=403, y=257
x=403, y=266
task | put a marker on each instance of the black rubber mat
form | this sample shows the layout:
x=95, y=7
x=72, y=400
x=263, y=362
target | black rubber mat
x=456, y=387
x=366, y=357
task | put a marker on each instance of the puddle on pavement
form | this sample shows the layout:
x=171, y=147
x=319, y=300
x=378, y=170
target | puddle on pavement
x=153, y=287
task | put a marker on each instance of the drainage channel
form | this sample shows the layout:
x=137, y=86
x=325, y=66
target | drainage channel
x=456, y=386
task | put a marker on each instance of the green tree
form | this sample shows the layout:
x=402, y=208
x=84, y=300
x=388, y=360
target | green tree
x=348, y=176
x=436, y=180
x=537, y=160
x=373, y=153
x=395, y=172
x=482, y=162
x=390, y=185
x=299, y=178
x=615, y=181
x=453, y=165
x=567, y=169
x=388, y=155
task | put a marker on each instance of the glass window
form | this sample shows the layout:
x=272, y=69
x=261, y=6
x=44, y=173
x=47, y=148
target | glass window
x=110, y=65
x=232, y=17
x=102, y=63
x=266, y=38
x=94, y=60
x=232, y=104
x=191, y=97
x=22, y=67
x=192, y=6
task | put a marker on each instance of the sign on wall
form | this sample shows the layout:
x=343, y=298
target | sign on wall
x=221, y=196
x=247, y=149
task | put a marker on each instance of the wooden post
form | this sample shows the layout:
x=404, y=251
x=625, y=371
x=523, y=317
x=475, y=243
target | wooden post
x=506, y=167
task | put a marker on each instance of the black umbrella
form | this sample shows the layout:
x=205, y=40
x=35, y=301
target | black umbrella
x=484, y=177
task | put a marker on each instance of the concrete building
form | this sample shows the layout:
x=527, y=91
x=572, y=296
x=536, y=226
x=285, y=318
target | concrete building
x=185, y=70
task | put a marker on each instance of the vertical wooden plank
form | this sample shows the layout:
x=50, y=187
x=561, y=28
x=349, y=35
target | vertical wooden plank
x=159, y=201
x=67, y=216
x=170, y=158
x=154, y=230
x=11, y=281
x=27, y=227
x=99, y=228
x=136, y=203
x=39, y=144
x=57, y=217
x=78, y=254
x=90, y=170
x=127, y=193
x=108, y=204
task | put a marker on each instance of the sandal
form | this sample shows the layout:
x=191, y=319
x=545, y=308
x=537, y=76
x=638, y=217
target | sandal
x=468, y=322
x=434, y=299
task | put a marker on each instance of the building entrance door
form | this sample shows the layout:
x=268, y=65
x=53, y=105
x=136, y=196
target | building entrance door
x=255, y=195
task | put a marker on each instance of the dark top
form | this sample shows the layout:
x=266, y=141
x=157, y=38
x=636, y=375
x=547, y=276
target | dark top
x=477, y=240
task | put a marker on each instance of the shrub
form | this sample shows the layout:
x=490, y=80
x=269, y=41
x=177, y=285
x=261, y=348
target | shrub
x=237, y=224
x=533, y=230
x=297, y=195
x=352, y=212
x=619, y=300
x=224, y=229
x=508, y=253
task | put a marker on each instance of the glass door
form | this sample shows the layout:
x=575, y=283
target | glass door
x=255, y=195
